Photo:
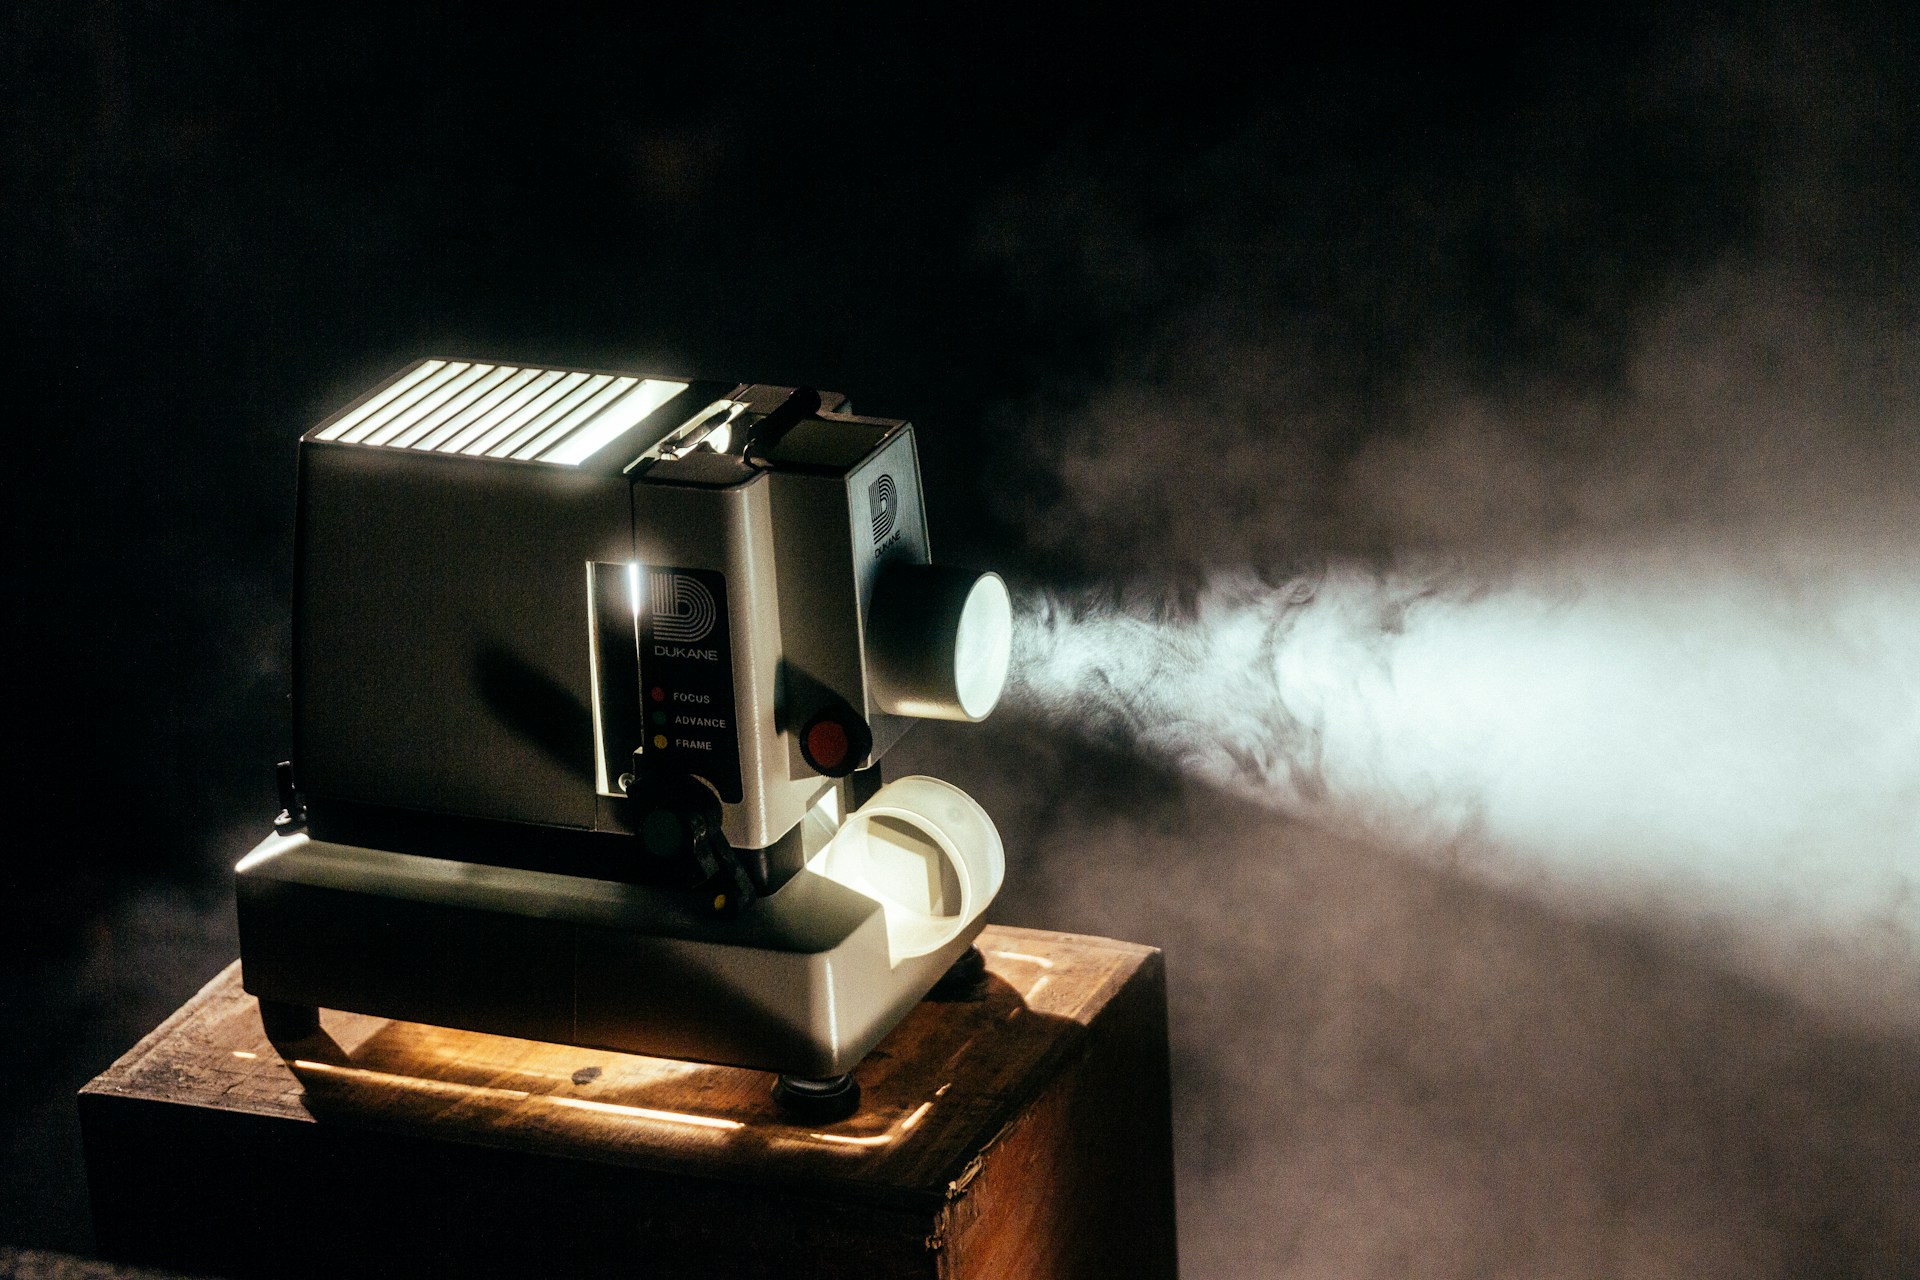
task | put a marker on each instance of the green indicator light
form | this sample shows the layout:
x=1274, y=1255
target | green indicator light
x=659, y=717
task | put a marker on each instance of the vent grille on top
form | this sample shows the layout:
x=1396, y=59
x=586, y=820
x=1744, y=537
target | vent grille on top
x=501, y=411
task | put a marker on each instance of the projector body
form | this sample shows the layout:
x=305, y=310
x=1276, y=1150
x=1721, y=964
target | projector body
x=591, y=672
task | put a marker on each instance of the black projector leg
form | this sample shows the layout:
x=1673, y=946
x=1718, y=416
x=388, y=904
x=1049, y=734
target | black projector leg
x=818, y=1101
x=285, y=1020
x=966, y=981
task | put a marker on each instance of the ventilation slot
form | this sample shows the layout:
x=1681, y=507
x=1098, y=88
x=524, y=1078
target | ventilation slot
x=501, y=411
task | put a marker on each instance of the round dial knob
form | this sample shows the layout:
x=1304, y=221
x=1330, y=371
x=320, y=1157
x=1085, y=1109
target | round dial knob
x=836, y=740
x=677, y=821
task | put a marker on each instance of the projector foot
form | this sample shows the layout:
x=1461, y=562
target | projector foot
x=284, y=1020
x=966, y=981
x=817, y=1101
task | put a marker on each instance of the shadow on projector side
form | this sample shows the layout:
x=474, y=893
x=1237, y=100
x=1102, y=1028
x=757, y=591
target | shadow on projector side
x=541, y=710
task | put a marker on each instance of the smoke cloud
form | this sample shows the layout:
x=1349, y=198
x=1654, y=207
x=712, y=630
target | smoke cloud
x=1678, y=730
x=1536, y=847
x=1473, y=624
x=1660, y=649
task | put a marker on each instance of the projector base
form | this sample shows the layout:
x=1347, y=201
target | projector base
x=801, y=985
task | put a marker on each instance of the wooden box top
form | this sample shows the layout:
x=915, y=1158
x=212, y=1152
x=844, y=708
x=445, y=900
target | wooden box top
x=935, y=1093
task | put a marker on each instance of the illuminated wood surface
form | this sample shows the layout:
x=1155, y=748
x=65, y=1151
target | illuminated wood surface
x=1021, y=1134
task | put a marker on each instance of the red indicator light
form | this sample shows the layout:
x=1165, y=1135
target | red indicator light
x=659, y=695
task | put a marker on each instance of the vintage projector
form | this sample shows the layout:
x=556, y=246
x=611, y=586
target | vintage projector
x=592, y=676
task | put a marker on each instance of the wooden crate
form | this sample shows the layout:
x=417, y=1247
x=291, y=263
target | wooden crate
x=1022, y=1134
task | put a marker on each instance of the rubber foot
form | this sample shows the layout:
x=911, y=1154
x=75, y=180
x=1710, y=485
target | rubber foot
x=817, y=1101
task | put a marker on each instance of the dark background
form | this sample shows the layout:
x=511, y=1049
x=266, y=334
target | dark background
x=221, y=222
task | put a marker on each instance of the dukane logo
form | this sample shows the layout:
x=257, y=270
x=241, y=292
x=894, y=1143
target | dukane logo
x=883, y=503
x=683, y=610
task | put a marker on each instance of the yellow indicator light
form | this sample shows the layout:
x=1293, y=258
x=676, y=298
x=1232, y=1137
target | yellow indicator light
x=660, y=741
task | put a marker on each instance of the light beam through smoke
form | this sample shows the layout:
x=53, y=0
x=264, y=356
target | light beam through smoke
x=1689, y=731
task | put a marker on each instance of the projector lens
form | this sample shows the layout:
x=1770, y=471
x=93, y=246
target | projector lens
x=983, y=646
x=939, y=642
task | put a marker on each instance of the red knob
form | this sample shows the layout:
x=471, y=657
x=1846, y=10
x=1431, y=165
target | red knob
x=827, y=746
x=835, y=741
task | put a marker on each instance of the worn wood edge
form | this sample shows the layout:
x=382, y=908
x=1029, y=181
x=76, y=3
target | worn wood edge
x=1061, y=1060
x=902, y=1228
x=1153, y=967
x=959, y=1221
x=103, y=1110
x=1068, y=1051
x=122, y=1066
x=1055, y=935
x=44, y=1264
x=825, y=1190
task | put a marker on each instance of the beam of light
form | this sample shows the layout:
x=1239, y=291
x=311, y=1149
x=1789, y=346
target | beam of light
x=392, y=1079
x=647, y=1113
x=842, y=1140
x=1693, y=726
x=894, y=1133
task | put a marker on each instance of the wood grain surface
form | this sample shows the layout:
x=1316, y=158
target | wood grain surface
x=995, y=1136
